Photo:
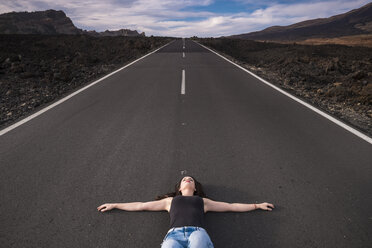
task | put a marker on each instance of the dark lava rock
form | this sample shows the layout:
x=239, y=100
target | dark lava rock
x=38, y=69
x=334, y=78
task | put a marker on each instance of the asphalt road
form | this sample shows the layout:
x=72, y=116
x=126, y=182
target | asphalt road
x=129, y=137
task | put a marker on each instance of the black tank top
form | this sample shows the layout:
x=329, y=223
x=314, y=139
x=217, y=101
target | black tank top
x=187, y=211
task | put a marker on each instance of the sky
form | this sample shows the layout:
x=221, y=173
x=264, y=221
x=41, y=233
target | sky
x=186, y=18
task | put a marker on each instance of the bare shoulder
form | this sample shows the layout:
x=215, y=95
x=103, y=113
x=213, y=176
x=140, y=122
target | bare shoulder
x=168, y=201
x=207, y=200
x=207, y=203
x=216, y=206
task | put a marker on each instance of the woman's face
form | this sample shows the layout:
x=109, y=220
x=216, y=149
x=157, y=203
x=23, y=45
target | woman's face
x=187, y=182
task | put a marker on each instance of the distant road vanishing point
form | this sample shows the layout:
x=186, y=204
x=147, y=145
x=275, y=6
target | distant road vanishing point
x=128, y=137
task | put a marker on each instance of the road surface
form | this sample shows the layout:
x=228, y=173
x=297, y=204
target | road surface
x=128, y=137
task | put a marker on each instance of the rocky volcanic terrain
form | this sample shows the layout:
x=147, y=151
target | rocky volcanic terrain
x=334, y=78
x=50, y=22
x=38, y=69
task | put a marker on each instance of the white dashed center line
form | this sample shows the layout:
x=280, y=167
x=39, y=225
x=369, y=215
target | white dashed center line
x=183, y=83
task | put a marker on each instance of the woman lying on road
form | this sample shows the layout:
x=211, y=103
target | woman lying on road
x=186, y=206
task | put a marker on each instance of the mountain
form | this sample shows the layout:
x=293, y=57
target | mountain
x=354, y=22
x=49, y=22
x=120, y=32
x=39, y=22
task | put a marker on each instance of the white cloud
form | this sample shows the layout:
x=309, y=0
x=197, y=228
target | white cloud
x=169, y=18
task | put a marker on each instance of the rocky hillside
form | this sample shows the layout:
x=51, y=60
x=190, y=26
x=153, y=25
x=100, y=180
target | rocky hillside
x=38, y=69
x=49, y=22
x=335, y=78
x=354, y=22
x=39, y=22
x=120, y=32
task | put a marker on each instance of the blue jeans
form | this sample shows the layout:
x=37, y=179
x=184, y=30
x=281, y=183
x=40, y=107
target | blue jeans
x=187, y=237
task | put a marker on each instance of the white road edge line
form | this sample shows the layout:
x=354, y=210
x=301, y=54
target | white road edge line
x=4, y=131
x=341, y=124
x=183, y=83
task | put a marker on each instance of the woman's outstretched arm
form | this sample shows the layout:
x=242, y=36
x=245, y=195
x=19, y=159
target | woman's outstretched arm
x=217, y=206
x=160, y=205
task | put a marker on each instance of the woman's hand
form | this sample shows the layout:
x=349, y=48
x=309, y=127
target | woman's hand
x=265, y=206
x=106, y=207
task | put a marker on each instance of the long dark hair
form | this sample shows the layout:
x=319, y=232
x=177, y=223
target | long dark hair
x=198, y=186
